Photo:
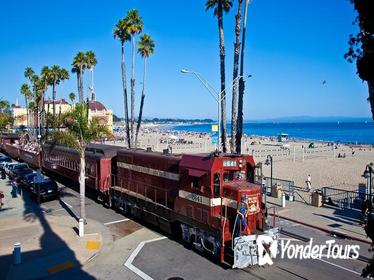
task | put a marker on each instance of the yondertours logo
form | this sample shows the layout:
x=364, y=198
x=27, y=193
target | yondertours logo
x=263, y=249
x=318, y=251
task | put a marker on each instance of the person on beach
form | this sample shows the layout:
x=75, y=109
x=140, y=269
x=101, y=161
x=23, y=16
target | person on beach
x=1, y=199
x=309, y=183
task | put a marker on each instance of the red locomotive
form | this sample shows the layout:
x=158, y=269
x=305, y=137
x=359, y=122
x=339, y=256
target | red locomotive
x=198, y=194
x=210, y=200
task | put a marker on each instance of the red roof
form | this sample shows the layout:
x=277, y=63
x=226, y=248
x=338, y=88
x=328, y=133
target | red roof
x=61, y=101
x=96, y=105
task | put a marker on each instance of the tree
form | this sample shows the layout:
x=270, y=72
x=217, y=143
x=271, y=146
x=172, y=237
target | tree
x=121, y=32
x=361, y=46
x=27, y=93
x=134, y=26
x=79, y=134
x=6, y=118
x=219, y=7
x=239, y=132
x=234, y=106
x=55, y=76
x=72, y=97
x=146, y=48
x=79, y=65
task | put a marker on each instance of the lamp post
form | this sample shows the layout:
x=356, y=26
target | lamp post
x=269, y=160
x=215, y=94
x=368, y=176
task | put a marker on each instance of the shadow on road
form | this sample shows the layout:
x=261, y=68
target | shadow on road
x=54, y=259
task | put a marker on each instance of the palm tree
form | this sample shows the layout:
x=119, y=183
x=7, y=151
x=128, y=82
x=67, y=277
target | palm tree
x=239, y=132
x=91, y=63
x=75, y=70
x=121, y=32
x=146, y=48
x=27, y=93
x=79, y=134
x=44, y=82
x=72, y=98
x=32, y=108
x=79, y=65
x=134, y=26
x=234, y=106
x=219, y=7
x=56, y=76
x=29, y=72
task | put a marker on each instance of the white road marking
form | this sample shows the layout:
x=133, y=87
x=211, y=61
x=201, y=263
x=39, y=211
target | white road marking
x=133, y=255
x=114, y=222
x=67, y=204
x=342, y=267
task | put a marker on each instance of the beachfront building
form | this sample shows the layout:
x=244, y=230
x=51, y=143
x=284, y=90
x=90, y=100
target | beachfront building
x=20, y=115
x=62, y=106
x=96, y=109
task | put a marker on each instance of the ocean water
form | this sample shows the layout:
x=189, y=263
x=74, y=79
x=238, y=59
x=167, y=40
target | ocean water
x=343, y=132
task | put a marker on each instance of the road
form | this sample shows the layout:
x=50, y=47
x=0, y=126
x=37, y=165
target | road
x=169, y=259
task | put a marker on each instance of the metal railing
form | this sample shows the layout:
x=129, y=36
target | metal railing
x=345, y=199
x=287, y=185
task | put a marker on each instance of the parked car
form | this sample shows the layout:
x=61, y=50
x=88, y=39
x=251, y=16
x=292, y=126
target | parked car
x=8, y=165
x=3, y=161
x=17, y=167
x=19, y=173
x=27, y=179
x=48, y=189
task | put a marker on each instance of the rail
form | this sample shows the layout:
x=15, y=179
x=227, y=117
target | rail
x=345, y=198
x=287, y=185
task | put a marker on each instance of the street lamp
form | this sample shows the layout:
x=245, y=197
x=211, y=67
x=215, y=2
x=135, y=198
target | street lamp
x=269, y=160
x=368, y=176
x=215, y=94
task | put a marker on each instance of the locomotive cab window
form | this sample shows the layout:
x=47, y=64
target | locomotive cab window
x=216, y=185
x=195, y=183
x=233, y=175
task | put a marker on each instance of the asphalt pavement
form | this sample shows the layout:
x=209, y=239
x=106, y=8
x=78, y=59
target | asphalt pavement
x=136, y=251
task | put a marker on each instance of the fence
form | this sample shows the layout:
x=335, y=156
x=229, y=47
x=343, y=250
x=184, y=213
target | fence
x=344, y=198
x=287, y=185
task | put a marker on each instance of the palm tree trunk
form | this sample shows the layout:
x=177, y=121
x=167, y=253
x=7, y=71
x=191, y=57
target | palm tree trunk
x=371, y=97
x=239, y=132
x=234, y=106
x=78, y=86
x=141, y=103
x=53, y=99
x=222, y=73
x=81, y=97
x=82, y=184
x=133, y=91
x=124, y=87
x=27, y=112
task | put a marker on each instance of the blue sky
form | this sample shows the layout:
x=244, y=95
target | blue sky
x=292, y=46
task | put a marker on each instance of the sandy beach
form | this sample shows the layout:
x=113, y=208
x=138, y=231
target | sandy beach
x=339, y=166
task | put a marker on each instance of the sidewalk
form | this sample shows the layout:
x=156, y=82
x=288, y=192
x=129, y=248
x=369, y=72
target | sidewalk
x=333, y=220
x=49, y=240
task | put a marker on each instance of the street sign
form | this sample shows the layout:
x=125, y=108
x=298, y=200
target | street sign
x=214, y=127
x=215, y=138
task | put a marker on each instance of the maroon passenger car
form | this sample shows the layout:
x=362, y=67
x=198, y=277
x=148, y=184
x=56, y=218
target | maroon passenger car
x=65, y=162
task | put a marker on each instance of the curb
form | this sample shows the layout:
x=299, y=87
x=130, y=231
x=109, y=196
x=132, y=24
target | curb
x=337, y=233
